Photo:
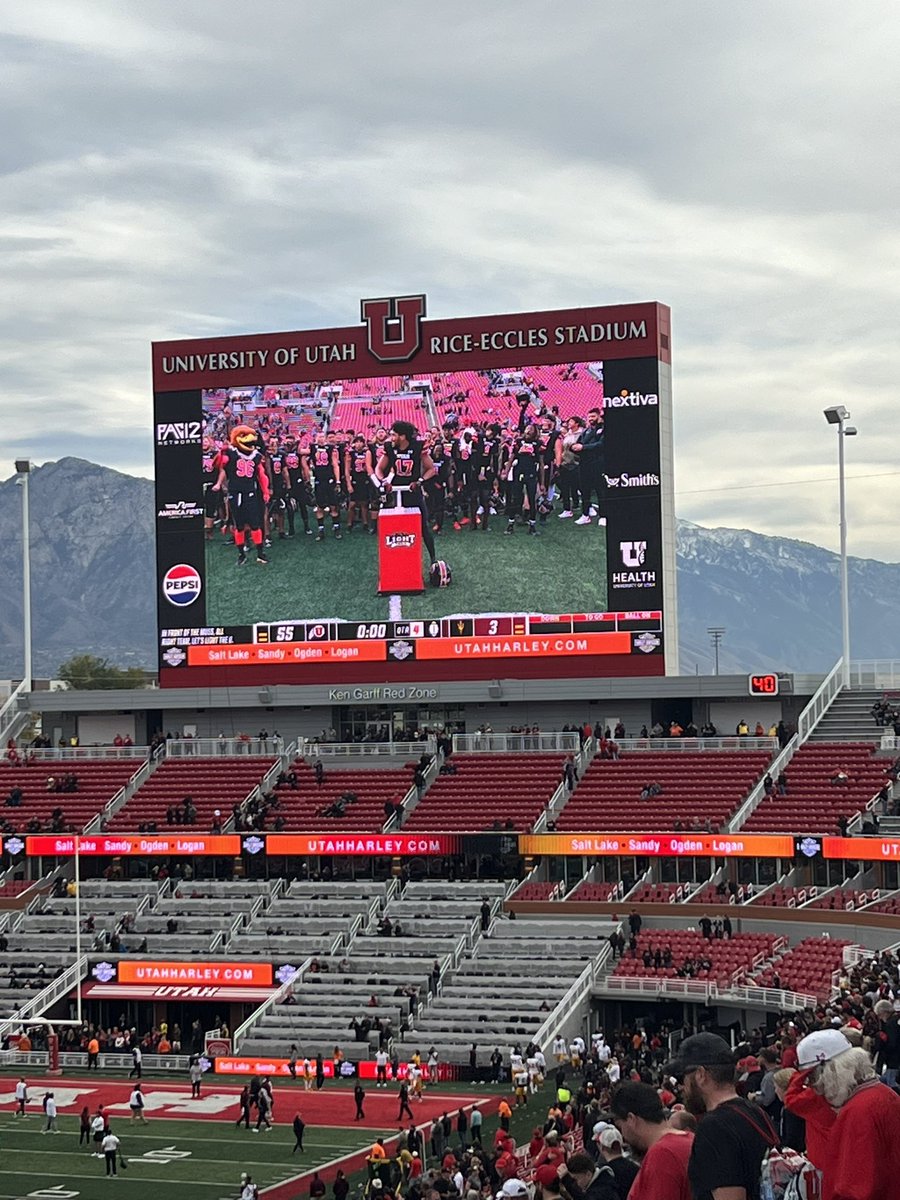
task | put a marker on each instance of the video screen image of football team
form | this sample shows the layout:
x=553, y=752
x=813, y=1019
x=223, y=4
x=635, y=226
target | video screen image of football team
x=506, y=468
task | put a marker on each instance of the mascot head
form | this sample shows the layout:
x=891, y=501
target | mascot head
x=243, y=438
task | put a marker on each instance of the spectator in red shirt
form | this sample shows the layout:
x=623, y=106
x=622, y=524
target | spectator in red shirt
x=640, y=1118
x=547, y=1161
x=862, y=1154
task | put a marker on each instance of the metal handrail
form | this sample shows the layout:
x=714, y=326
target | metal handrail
x=821, y=701
x=757, y=792
x=572, y=998
x=256, y=1016
x=76, y=753
x=11, y=711
x=47, y=997
x=691, y=745
x=516, y=743
x=232, y=747
x=354, y=750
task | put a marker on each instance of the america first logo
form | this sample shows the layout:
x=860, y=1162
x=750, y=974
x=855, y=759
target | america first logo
x=400, y=541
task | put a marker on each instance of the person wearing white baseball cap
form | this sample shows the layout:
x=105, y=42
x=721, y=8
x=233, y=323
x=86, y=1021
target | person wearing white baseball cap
x=861, y=1157
x=513, y=1189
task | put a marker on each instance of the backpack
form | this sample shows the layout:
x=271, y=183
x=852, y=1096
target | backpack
x=784, y=1174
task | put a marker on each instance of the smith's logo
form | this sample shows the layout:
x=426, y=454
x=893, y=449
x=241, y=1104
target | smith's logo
x=400, y=541
x=393, y=327
x=633, y=553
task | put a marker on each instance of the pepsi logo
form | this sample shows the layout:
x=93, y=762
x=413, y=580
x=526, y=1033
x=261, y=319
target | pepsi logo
x=182, y=585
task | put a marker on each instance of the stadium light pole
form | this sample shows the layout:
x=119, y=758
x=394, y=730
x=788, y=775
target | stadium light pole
x=838, y=415
x=23, y=470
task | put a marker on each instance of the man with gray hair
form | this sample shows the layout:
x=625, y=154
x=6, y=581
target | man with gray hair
x=862, y=1159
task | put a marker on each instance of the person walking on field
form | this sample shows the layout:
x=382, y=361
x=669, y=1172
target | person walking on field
x=84, y=1138
x=21, y=1098
x=195, y=1072
x=137, y=1059
x=136, y=1104
x=403, y=1096
x=244, y=1102
x=359, y=1096
x=50, y=1114
x=299, y=1126
x=110, y=1146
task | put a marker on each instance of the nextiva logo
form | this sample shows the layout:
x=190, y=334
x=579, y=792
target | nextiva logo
x=626, y=399
x=633, y=555
x=179, y=433
x=179, y=510
x=400, y=541
x=182, y=585
x=632, y=481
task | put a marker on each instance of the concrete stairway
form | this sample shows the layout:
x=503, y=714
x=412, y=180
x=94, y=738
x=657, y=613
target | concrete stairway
x=849, y=719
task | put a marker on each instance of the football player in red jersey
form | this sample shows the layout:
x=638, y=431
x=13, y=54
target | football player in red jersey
x=406, y=463
x=212, y=499
x=321, y=468
x=242, y=468
x=357, y=473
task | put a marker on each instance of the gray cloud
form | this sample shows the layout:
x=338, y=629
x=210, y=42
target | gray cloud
x=184, y=170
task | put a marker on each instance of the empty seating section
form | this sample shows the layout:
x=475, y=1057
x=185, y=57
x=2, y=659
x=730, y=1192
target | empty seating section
x=659, y=893
x=303, y=807
x=696, y=789
x=488, y=791
x=212, y=783
x=729, y=957
x=98, y=781
x=783, y=896
x=15, y=887
x=806, y=967
x=493, y=398
x=536, y=889
x=812, y=803
x=594, y=891
x=362, y=416
x=841, y=900
x=890, y=904
x=710, y=895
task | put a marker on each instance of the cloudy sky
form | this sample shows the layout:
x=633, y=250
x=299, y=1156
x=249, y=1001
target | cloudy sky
x=213, y=166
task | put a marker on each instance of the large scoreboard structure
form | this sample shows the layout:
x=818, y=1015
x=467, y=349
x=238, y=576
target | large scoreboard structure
x=305, y=482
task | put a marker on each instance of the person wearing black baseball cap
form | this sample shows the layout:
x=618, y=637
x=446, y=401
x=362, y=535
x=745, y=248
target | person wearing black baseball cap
x=733, y=1135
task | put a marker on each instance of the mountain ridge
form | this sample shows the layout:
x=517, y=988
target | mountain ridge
x=93, y=585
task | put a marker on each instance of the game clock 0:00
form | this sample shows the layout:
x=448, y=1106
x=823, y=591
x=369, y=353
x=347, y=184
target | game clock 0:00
x=763, y=685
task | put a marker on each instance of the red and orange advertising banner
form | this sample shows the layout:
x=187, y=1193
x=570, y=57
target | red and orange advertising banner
x=354, y=844
x=135, y=844
x=661, y=845
x=218, y=974
x=871, y=849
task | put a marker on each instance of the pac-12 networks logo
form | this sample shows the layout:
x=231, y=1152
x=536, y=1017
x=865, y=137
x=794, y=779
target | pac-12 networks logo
x=182, y=585
x=393, y=326
x=400, y=541
x=178, y=433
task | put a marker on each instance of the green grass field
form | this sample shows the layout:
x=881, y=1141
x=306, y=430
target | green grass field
x=562, y=571
x=205, y=1158
x=179, y=1158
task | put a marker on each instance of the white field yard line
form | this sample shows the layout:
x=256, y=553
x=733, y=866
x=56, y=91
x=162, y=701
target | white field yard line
x=29, y=1177
x=15, y=1123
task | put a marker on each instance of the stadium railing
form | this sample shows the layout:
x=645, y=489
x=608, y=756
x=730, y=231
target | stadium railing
x=733, y=742
x=256, y=1016
x=875, y=673
x=701, y=989
x=820, y=702
x=14, y=713
x=76, y=753
x=212, y=747
x=573, y=998
x=352, y=751
x=516, y=743
x=47, y=997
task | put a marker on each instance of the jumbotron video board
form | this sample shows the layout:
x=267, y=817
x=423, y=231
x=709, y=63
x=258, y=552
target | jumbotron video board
x=409, y=499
